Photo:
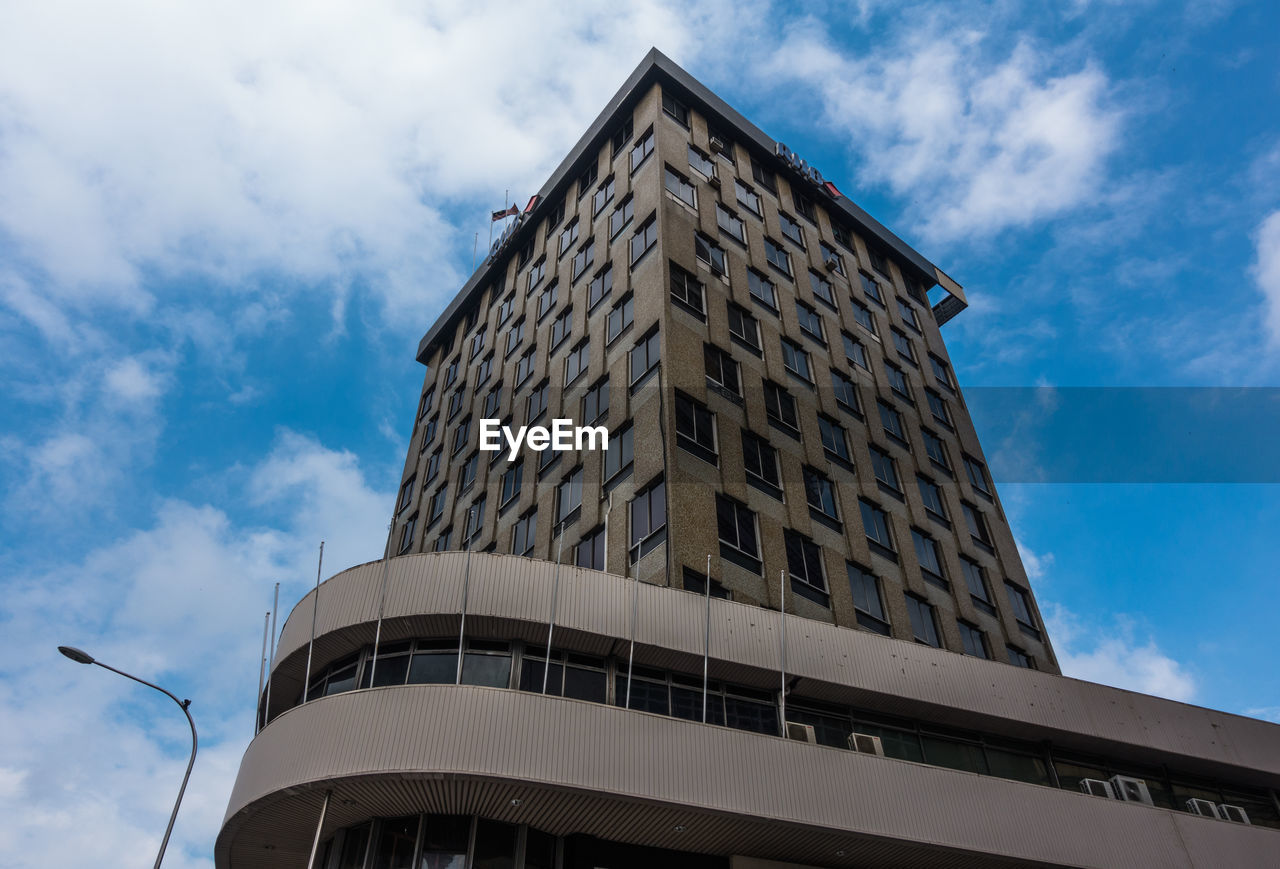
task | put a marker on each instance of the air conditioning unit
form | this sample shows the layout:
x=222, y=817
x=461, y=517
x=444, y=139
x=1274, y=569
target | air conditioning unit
x=801, y=732
x=831, y=265
x=1096, y=787
x=865, y=743
x=1131, y=790
x=1232, y=813
x=1202, y=807
x=714, y=181
x=717, y=144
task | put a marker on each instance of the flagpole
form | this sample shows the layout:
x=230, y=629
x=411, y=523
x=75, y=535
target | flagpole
x=782, y=576
x=706, y=645
x=466, y=586
x=555, y=594
x=315, y=608
x=262, y=671
x=271, y=659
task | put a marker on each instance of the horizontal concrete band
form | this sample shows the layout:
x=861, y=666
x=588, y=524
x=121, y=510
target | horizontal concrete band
x=634, y=776
x=424, y=592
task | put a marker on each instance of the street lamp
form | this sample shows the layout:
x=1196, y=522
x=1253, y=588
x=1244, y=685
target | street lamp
x=81, y=657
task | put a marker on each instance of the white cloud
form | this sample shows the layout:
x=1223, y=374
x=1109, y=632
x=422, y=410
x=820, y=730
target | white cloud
x=981, y=143
x=1114, y=654
x=1266, y=713
x=1266, y=273
x=92, y=761
x=133, y=381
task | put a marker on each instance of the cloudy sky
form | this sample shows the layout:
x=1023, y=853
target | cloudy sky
x=224, y=227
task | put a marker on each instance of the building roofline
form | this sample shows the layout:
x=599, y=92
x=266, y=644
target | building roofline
x=657, y=67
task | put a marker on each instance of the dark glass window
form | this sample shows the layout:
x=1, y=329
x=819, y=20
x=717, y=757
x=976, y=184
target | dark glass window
x=644, y=357
x=603, y=196
x=875, y=523
x=561, y=328
x=583, y=259
x=931, y=495
x=975, y=643
x=537, y=402
x=903, y=344
x=701, y=162
x=885, y=469
x=747, y=198
x=761, y=289
x=834, y=439
x=595, y=404
x=845, y=391
x=406, y=494
x=600, y=287
x=1021, y=603
x=686, y=289
x=780, y=407
x=524, y=367
x=862, y=314
x=730, y=224
x=577, y=361
x=722, y=369
x=569, y=235
x=977, y=476
x=760, y=461
x=675, y=108
x=695, y=428
x=621, y=216
x=587, y=179
x=523, y=533
x=710, y=253
x=621, y=137
x=511, y=480
x=908, y=314
x=569, y=496
x=976, y=580
x=791, y=230
x=867, y=604
x=645, y=237
x=590, y=553
x=804, y=562
x=620, y=317
x=938, y=407
x=764, y=177
x=642, y=149
x=977, y=523
x=942, y=373
x=855, y=352
x=679, y=187
x=796, y=360
x=936, y=450
x=547, y=299
x=822, y=289
x=810, y=322
x=819, y=492
x=744, y=328
x=897, y=380
x=737, y=530
x=620, y=455
x=777, y=257
x=892, y=421
x=1019, y=658
x=924, y=628
x=831, y=258
x=929, y=557
x=648, y=520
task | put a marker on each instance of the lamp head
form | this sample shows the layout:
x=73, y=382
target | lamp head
x=76, y=655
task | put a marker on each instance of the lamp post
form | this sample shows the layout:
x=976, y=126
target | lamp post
x=81, y=657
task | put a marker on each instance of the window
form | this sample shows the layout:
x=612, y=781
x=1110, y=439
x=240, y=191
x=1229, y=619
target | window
x=923, y=626
x=897, y=380
x=822, y=289
x=777, y=257
x=977, y=477
x=456, y=400
x=747, y=198
x=780, y=408
x=975, y=579
x=645, y=237
x=892, y=422
x=862, y=314
x=760, y=462
x=429, y=432
x=644, y=358
x=904, y=346
x=595, y=404
x=870, y=288
x=936, y=450
x=942, y=373
x=536, y=405
x=701, y=162
x=810, y=322
x=621, y=137
x=441, y=543
x=428, y=399
x=523, y=533
x=406, y=494
x=475, y=521
x=796, y=360
x=804, y=206
x=730, y=224
x=511, y=480
x=761, y=290
x=569, y=497
x=525, y=254
x=477, y=341
x=590, y=552
x=821, y=496
x=879, y=261
x=697, y=583
x=855, y=352
x=867, y=603
x=686, y=289
x=977, y=526
x=908, y=314
x=588, y=179
x=600, y=287
x=435, y=508
x=831, y=258
x=603, y=196
x=642, y=149
x=975, y=643
x=433, y=468
x=506, y=308
x=764, y=177
x=931, y=495
x=467, y=476
x=620, y=455
x=791, y=230
x=875, y=523
x=846, y=393
x=547, y=299
x=537, y=272
x=886, y=472
x=579, y=358
x=938, y=407
x=744, y=329
x=675, y=108
x=584, y=259
x=621, y=216
x=451, y=373
x=739, y=542
x=804, y=566
x=568, y=236
x=1019, y=658
x=1021, y=603
x=484, y=369
x=648, y=520
x=524, y=367
x=620, y=317
x=710, y=253
x=930, y=558
x=722, y=371
x=407, y=532
x=835, y=441
x=695, y=428
x=515, y=335
x=553, y=219
x=460, y=434
x=679, y=187
x=561, y=328
x=721, y=145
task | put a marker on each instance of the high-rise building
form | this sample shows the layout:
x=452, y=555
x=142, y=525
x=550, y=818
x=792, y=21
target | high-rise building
x=780, y=620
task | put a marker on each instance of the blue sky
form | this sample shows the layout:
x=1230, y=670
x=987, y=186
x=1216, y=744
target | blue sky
x=224, y=227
